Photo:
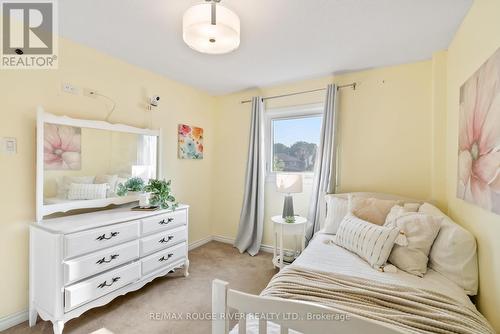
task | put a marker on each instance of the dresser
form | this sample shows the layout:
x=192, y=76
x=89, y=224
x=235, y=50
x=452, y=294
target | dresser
x=84, y=261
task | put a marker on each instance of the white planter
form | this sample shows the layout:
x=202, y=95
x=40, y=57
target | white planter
x=144, y=199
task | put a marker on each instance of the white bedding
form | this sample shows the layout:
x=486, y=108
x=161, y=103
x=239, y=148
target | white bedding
x=322, y=255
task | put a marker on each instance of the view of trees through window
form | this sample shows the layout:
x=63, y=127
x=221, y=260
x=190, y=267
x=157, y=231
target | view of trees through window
x=295, y=142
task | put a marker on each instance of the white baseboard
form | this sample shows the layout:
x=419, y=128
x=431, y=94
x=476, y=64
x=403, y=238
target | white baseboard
x=13, y=319
x=223, y=239
x=267, y=248
x=200, y=242
x=22, y=316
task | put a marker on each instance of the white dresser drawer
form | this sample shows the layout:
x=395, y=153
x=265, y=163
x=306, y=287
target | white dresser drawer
x=164, y=221
x=94, y=263
x=162, y=240
x=86, y=291
x=89, y=241
x=163, y=258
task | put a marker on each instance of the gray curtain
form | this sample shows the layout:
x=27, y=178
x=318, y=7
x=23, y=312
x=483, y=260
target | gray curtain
x=324, y=181
x=251, y=224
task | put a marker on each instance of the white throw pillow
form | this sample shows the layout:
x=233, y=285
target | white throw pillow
x=110, y=180
x=80, y=191
x=336, y=209
x=64, y=183
x=371, y=242
x=411, y=207
x=454, y=252
x=396, y=211
x=420, y=230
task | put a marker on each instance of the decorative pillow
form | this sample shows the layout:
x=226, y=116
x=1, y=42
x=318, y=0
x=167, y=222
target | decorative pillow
x=336, y=209
x=420, y=230
x=64, y=183
x=79, y=191
x=411, y=207
x=110, y=180
x=371, y=242
x=373, y=210
x=396, y=211
x=453, y=254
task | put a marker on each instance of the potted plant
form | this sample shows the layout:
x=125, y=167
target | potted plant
x=135, y=184
x=161, y=194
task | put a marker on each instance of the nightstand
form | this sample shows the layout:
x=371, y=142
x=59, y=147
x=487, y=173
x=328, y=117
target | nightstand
x=281, y=228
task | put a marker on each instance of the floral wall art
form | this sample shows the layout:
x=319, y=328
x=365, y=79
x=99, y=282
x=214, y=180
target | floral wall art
x=479, y=137
x=62, y=147
x=190, y=142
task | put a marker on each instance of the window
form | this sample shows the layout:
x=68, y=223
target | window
x=293, y=139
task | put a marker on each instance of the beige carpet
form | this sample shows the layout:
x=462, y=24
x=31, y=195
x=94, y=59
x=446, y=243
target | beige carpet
x=131, y=313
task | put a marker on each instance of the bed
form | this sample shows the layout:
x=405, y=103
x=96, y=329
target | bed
x=287, y=311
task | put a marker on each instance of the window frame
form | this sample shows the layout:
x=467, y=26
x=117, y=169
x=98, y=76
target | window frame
x=302, y=111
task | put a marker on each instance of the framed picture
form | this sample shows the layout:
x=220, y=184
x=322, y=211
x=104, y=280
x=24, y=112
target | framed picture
x=62, y=147
x=479, y=137
x=190, y=142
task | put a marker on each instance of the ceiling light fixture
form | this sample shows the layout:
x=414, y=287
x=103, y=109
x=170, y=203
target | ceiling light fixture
x=211, y=28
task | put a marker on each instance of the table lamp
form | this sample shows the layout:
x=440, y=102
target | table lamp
x=288, y=184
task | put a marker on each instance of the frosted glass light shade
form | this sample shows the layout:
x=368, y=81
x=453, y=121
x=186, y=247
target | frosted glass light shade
x=201, y=35
x=289, y=183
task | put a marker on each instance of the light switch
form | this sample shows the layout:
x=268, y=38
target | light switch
x=9, y=145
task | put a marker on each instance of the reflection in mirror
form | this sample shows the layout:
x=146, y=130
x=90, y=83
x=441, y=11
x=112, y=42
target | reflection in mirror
x=89, y=164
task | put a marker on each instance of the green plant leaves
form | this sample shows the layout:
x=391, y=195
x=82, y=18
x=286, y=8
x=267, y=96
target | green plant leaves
x=161, y=194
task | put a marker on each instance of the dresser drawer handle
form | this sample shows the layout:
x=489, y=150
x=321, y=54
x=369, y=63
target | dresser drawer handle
x=163, y=240
x=165, y=259
x=104, y=237
x=105, y=283
x=111, y=258
x=165, y=222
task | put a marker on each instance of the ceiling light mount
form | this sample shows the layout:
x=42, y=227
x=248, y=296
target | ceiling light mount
x=213, y=9
x=211, y=28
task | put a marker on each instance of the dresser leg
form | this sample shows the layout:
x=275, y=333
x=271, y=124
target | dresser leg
x=33, y=315
x=186, y=268
x=58, y=327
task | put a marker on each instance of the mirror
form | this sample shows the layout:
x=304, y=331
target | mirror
x=83, y=164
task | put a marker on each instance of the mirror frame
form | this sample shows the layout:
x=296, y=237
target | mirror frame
x=44, y=117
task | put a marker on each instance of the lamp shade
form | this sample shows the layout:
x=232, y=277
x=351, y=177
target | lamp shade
x=201, y=35
x=289, y=183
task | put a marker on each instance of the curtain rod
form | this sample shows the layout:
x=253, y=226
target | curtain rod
x=353, y=85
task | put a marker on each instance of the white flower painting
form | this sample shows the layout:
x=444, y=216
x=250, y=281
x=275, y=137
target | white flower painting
x=62, y=147
x=479, y=137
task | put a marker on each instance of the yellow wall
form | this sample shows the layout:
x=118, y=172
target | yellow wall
x=476, y=40
x=385, y=135
x=22, y=91
x=385, y=139
x=438, y=130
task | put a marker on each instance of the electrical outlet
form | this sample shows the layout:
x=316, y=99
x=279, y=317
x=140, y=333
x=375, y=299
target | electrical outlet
x=89, y=92
x=69, y=88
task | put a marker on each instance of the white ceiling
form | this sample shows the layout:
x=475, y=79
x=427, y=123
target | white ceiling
x=281, y=40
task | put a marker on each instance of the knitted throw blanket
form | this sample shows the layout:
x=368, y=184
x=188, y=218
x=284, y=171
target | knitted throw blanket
x=409, y=309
